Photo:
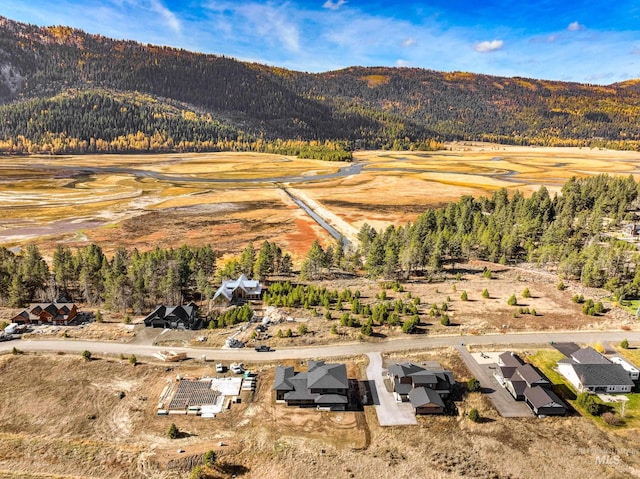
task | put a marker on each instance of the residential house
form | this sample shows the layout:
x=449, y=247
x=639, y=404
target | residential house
x=324, y=386
x=425, y=388
x=426, y=401
x=526, y=383
x=588, y=370
x=239, y=290
x=544, y=402
x=174, y=317
x=47, y=313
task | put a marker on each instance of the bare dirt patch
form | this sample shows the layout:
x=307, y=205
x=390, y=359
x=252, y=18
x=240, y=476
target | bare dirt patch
x=100, y=422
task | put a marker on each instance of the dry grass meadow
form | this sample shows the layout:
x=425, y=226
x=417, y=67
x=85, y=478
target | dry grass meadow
x=100, y=422
x=148, y=200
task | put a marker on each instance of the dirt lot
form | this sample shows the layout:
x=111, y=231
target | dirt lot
x=77, y=426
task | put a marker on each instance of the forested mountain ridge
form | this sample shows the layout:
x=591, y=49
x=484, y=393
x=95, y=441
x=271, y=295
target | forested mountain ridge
x=56, y=70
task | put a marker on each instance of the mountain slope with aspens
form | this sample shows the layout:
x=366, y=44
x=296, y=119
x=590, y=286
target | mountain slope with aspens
x=63, y=90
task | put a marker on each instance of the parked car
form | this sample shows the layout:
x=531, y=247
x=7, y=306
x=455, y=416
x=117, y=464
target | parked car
x=219, y=368
x=237, y=368
x=263, y=348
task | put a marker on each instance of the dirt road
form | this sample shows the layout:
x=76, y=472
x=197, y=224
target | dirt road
x=340, y=350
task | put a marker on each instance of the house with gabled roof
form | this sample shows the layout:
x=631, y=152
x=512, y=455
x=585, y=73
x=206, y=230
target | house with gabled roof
x=174, y=317
x=239, y=290
x=426, y=401
x=55, y=313
x=526, y=383
x=323, y=385
x=424, y=388
x=544, y=402
x=589, y=371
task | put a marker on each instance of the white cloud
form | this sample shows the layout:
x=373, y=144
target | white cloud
x=402, y=63
x=331, y=5
x=488, y=46
x=168, y=15
x=575, y=26
x=408, y=42
x=273, y=23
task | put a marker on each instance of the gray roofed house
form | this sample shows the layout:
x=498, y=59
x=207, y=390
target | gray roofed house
x=510, y=359
x=544, y=402
x=589, y=355
x=174, y=317
x=412, y=380
x=610, y=378
x=241, y=289
x=56, y=313
x=426, y=401
x=588, y=370
x=526, y=383
x=323, y=386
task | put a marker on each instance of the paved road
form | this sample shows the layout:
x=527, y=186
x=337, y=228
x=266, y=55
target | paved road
x=389, y=411
x=500, y=397
x=334, y=350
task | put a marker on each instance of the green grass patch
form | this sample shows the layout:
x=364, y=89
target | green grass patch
x=547, y=359
x=633, y=355
x=630, y=305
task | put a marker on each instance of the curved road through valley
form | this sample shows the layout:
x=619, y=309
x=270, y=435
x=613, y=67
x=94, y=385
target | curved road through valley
x=335, y=350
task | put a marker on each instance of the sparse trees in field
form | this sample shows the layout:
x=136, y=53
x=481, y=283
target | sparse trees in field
x=173, y=432
x=473, y=385
x=526, y=293
x=474, y=415
x=512, y=301
x=86, y=355
x=485, y=293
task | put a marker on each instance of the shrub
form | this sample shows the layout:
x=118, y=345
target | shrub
x=454, y=288
x=445, y=321
x=289, y=333
x=86, y=355
x=302, y=329
x=280, y=334
x=485, y=293
x=598, y=307
x=526, y=293
x=210, y=458
x=561, y=286
x=334, y=329
x=197, y=473
x=577, y=298
x=327, y=315
x=473, y=385
x=127, y=319
x=624, y=344
x=587, y=401
x=445, y=307
x=611, y=419
x=474, y=415
x=512, y=301
x=133, y=360
x=367, y=329
x=533, y=312
x=173, y=432
x=98, y=316
x=487, y=273
x=463, y=296
x=394, y=319
x=15, y=351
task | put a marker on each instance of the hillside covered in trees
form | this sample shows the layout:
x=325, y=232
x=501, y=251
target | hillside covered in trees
x=65, y=91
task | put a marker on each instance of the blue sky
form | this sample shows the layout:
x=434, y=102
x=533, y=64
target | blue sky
x=587, y=41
